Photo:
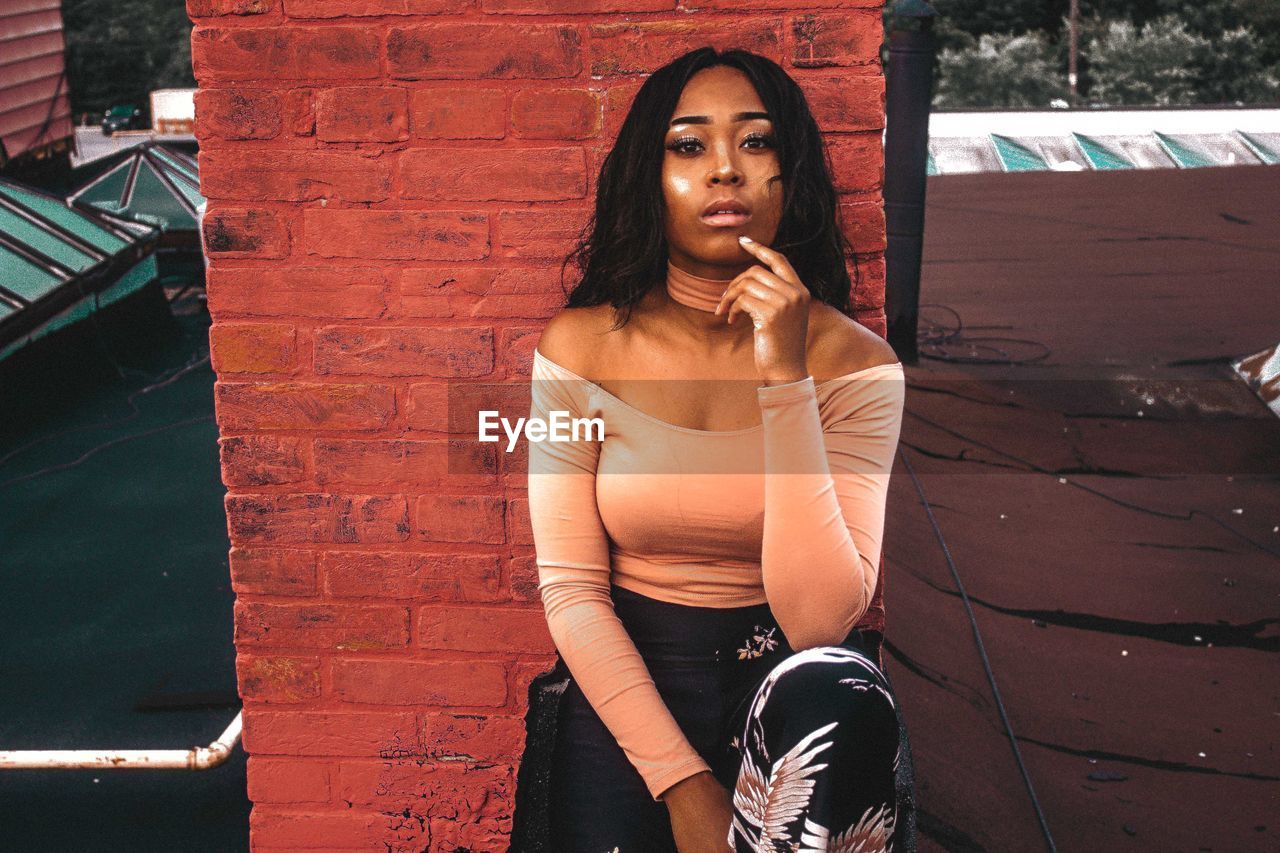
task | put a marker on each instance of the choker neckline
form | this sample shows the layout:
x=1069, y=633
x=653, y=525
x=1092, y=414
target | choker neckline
x=695, y=291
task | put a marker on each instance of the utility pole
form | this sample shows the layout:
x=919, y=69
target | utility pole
x=906, y=152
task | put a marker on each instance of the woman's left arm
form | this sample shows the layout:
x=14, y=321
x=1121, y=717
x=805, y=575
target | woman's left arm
x=824, y=499
x=825, y=490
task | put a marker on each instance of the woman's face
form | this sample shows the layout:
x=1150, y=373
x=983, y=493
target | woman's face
x=713, y=153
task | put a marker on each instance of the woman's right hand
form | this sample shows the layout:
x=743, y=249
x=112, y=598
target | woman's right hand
x=701, y=811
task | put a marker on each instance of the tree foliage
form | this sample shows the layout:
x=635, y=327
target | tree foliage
x=1000, y=70
x=120, y=50
x=1014, y=53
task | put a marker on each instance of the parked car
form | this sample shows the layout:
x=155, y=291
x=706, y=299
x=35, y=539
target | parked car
x=121, y=117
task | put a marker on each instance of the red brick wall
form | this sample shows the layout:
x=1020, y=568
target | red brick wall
x=392, y=185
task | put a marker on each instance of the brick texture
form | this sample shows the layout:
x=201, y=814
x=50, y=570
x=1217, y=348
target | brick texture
x=392, y=186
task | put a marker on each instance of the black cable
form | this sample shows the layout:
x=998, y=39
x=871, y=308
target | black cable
x=177, y=374
x=94, y=450
x=982, y=651
x=936, y=336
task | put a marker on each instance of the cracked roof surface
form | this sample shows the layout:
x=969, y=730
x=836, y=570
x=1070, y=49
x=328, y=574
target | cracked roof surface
x=1107, y=494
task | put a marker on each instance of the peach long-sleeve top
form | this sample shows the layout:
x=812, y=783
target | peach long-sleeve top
x=789, y=512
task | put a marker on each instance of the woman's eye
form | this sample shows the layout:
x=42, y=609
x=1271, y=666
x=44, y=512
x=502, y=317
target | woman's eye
x=681, y=146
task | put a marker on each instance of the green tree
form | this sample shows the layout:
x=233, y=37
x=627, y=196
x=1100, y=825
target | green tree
x=1151, y=65
x=119, y=50
x=1000, y=70
x=1231, y=70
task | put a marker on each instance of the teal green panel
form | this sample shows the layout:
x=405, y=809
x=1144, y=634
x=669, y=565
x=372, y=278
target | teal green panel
x=42, y=241
x=192, y=194
x=1182, y=154
x=152, y=197
x=14, y=347
x=108, y=191
x=1099, y=155
x=1017, y=157
x=135, y=279
x=6, y=310
x=24, y=278
x=932, y=168
x=176, y=164
x=78, y=224
x=1265, y=154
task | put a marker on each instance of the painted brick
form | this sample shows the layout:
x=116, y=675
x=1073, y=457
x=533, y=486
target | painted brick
x=404, y=351
x=576, y=7
x=524, y=578
x=292, y=53
x=848, y=39
x=244, y=232
x=277, y=679
x=288, y=780
x=362, y=114
x=539, y=234
x=642, y=47
x=339, y=627
x=238, y=114
x=482, y=629
x=864, y=225
x=489, y=174
x=292, y=176
x=261, y=460
x=364, y=734
x=413, y=576
x=844, y=103
x=483, y=51
x=286, y=827
x=392, y=234
x=214, y=8
x=302, y=405
x=458, y=113
x=269, y=571
x=252, y=347
x=409, y=682
x=461, y=518
x=359, y=8
x=555, y=113
x=374, y=461
x=446, y=807
x=858, y=162
x=301, y=518
x=305, y=291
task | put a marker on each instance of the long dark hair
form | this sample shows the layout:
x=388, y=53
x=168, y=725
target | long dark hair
x=622, y=251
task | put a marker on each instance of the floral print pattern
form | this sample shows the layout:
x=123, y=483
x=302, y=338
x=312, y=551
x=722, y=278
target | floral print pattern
x=777, y=804
x=759, y=643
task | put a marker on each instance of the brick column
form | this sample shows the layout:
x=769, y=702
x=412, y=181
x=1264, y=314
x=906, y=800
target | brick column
x=392, y=186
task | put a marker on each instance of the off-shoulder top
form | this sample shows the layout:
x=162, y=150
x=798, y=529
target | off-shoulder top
x=789, y=512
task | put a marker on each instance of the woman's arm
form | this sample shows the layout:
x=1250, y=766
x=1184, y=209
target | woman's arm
x=824, y=499
x=573, y=570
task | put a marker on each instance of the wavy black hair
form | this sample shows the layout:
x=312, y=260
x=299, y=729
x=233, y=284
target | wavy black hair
x=622, y=250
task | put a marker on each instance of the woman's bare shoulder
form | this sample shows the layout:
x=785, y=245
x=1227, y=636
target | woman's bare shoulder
x=842, y=345
x=573, y=337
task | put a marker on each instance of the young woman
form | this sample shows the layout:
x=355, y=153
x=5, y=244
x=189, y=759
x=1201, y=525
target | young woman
x=703, y=566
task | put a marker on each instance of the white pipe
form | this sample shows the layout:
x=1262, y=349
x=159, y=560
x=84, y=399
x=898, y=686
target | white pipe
x=196, y=758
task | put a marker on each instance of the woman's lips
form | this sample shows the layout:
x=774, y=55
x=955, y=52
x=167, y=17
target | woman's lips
x=725, y=220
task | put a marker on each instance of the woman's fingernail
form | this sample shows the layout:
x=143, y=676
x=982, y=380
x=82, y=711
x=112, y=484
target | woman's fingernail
x=744, y=239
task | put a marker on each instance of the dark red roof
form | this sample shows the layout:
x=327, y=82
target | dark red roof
x=1110, y=508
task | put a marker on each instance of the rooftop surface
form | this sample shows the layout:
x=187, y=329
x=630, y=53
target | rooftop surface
x=1108, y=500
